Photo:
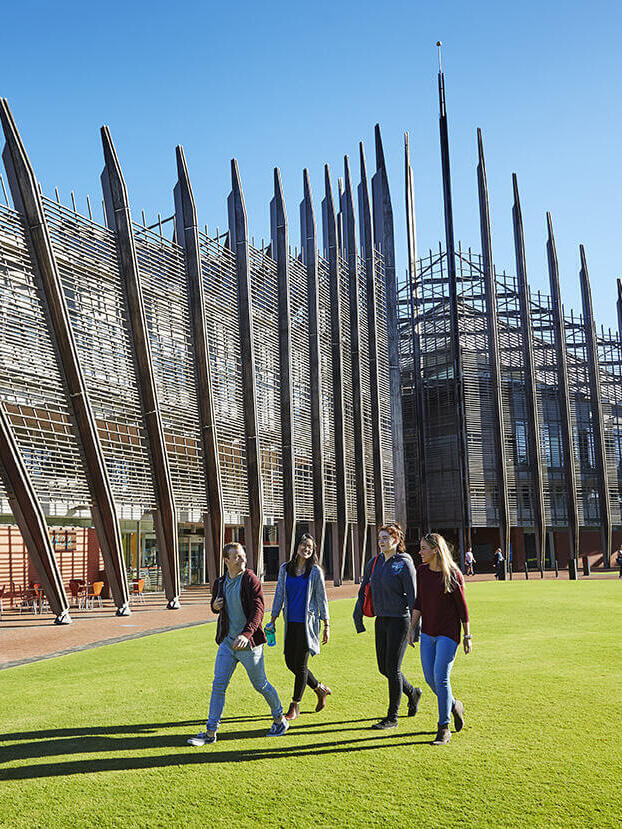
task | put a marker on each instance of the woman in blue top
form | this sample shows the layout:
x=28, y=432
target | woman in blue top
x=301, y=593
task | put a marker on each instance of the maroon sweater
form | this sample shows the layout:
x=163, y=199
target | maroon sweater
x=251, y=596
x=441, y=613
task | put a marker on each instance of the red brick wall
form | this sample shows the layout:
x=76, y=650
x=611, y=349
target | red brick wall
x=81, y=561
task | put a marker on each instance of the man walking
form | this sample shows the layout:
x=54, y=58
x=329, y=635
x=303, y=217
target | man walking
x=237, y=597
x=498, y=562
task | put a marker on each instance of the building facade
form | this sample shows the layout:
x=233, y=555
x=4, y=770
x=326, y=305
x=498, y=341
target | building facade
x=512, y=406
x=164, y=389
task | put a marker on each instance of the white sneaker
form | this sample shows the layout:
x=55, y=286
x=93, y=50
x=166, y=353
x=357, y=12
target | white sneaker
x=277, y=729
x=203, y=738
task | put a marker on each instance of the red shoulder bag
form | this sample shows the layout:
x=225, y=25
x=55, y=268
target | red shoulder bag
x=368, y=603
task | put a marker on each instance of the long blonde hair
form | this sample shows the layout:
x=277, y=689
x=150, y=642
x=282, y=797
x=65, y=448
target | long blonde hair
x=449, y=568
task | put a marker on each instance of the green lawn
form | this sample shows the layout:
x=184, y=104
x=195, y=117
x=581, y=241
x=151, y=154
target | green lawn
x=99, y=738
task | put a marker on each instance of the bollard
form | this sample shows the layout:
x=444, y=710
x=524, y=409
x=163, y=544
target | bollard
x=556, y=570
x=572, y=569
x=510, y=573
x=542, y=571
x=526, y=571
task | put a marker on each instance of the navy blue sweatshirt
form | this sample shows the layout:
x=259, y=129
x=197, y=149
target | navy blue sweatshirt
x=393, y=588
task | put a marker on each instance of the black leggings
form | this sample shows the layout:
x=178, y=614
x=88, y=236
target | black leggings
x=297, y=657
x=391, y=644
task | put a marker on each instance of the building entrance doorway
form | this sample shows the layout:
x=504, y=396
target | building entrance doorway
x=191, y=559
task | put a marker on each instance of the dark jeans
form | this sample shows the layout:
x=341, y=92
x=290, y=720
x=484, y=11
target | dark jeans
x=391, y=643
x=297, y=657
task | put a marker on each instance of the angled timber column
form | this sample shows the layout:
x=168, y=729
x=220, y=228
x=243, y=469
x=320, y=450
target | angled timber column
x=384, y=237
x=456, y=351
x=372, y=328
x=280, y=246
x=120, y=221
x=31, y=521
x=529, y=367
x=559, y=331
x=308, y=231
x=418, y=377
x=349, y=233
x=238, y=236
x=331, y=244
x=593, y=367
x=490, y=290
x=188, y=234
x=28, y=201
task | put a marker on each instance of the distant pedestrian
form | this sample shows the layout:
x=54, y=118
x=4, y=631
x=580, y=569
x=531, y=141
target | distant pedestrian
x=237, y=597
x=498, y=560
x=441, y=607
x=469, y=561
x=392, y=581
x=619, y=560
x=301, y=594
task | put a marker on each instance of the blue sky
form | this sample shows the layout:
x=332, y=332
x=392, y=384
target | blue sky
x=299, y=84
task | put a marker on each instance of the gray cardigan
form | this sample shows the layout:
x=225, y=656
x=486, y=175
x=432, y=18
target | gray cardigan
x=317, y=604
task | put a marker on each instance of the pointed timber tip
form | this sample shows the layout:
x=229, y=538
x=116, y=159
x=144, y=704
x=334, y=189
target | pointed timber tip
x=439, y=46
x=480, y=143
x=362, y=160
x=549, y=223
x=380, y=162
x=306, y=183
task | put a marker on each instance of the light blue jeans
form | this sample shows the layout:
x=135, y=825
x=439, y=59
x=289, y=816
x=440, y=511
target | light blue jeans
x=226, y=663
x=437, y=659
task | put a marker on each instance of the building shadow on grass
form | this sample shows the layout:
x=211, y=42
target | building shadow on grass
x=210, y=755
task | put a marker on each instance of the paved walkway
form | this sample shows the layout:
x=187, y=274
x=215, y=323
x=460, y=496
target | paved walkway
x=29, y=638
x=26, y=638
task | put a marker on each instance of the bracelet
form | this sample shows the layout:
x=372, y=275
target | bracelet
x=467, y=636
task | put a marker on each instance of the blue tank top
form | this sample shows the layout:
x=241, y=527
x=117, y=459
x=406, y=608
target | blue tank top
x=296, y=587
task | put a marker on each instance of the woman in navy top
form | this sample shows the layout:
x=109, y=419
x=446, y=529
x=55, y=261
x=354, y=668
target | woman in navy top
x=441, y=606
x=392, y=580
x=301, y=593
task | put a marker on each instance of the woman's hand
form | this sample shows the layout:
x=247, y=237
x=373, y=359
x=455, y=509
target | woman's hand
x=218, y=604
x=326, y=635
x=468, y=644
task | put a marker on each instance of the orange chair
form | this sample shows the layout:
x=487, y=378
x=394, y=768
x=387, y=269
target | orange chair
x=95, y=593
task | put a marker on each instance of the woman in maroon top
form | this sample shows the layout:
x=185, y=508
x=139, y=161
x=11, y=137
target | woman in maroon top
x=441, y=606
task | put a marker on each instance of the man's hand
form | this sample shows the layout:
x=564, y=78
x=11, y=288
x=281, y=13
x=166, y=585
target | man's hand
x=219, y=604
x=468, y=645
x=326, y=635
x=240, y=643
x=411, y=637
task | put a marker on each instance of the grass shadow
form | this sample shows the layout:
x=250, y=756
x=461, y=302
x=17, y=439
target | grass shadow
x=209, y=755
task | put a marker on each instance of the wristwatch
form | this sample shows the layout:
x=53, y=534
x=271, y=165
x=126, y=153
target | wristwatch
x=467, y=636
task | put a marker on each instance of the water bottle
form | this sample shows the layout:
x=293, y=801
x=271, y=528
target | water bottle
x=270, y=634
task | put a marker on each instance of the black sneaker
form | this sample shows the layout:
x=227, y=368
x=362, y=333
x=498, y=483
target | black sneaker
x=413, y=702
x=457, y=710
x=385, y=724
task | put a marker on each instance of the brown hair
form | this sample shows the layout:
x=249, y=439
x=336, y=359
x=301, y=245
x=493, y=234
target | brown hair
x=311, y=561
x=395, y=531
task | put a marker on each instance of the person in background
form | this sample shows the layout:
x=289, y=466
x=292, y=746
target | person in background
x=237, y=597
x=498, y=560
x=441, y=607
x=619, y=560
x=469, y=561
x=301, y=594
x=393, y=583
